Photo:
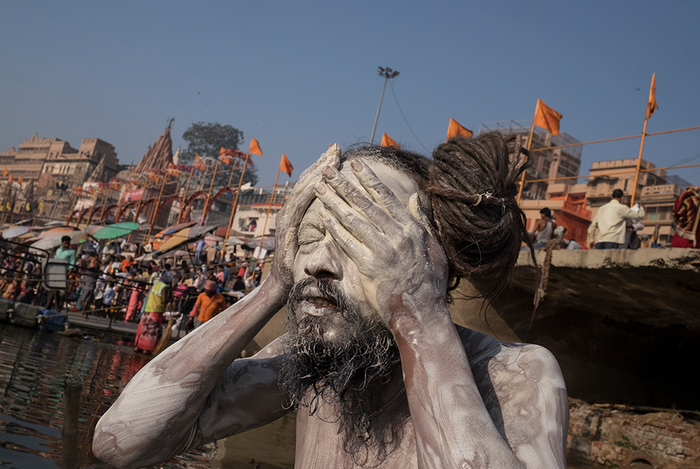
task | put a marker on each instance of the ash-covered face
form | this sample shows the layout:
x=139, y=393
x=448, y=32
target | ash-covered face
x=320, y=258
x=337, y=342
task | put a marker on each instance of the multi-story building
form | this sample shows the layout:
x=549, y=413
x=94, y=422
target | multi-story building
x=57, y=160
x=558, y=165
x=606, y=176
x=658, y=203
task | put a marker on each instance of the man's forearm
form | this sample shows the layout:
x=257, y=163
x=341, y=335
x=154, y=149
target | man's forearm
x=157, y=411
x=452, y=425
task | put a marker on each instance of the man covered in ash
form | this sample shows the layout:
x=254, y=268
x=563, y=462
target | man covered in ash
x=369, y=245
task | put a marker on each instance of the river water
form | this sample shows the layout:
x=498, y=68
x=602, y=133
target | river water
x=34, y=368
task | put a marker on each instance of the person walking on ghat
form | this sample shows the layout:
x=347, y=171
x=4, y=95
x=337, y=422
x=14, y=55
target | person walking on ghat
x=610, y=221
x=369, y=244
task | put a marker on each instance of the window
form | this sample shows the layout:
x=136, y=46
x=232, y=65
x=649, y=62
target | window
x=651, y=214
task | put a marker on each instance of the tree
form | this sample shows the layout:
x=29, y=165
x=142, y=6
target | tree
x=206, y=140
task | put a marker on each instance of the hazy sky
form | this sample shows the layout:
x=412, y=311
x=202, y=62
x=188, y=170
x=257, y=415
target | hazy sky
x=300, y=75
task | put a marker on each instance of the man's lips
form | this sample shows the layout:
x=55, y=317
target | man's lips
x=319, y=306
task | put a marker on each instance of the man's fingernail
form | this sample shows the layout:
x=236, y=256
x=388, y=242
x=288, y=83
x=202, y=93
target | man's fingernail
x=320, y=188
x=328, y=173
x=356, y=165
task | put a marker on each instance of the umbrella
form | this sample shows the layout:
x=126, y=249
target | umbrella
x=175, y=253
x=116, y=230
x=51, y=242
x=184, y=236
x=63, y=230
x=212, y=240
x=174, y=229
x=198, y=231
x=268, y=243
x=15, y=231
x=233, y=241
x=92, y=229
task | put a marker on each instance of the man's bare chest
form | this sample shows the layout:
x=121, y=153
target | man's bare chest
x=321, y=443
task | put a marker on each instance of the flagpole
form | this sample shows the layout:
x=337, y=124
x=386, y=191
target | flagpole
x=204, y=179
x=216, y=166
x=639, y=161
x=529, y=145
x=269, y=207
x=104, y=201
x=138, y=207
x=647, y=114
x=184, y=197
x=235, y=198
x=119, y=206
x=155, y=209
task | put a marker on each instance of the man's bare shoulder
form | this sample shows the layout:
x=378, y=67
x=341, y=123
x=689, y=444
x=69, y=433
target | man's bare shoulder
x=524, y=392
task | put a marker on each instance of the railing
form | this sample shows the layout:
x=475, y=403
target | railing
x=576, y=210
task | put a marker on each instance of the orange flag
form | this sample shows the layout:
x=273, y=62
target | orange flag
x=12, y=178
x=5, y=171
x=547, y=118
x=254, y=147
x=227, y=152
x=389, y=142
x=456, y=129
x=20, y=179
x=651, y=105
x=285, y=165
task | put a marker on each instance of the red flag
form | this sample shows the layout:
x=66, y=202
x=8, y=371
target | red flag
x=389, y=142
x=651, y=105
x=455, y=129
x=547, y=118
x=254, y=147
x=285, y=165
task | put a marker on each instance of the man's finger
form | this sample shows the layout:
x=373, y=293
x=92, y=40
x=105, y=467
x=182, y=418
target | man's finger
x=358, y=198
x=350, y=218
x=353, y=248
x=379, y=191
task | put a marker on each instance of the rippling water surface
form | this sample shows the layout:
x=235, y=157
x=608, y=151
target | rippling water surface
x=34, y=368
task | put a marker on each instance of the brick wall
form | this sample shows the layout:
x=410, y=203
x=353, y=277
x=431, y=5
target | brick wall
x=617, y=436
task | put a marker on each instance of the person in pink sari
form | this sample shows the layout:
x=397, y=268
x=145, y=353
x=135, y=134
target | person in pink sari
x=134, y=301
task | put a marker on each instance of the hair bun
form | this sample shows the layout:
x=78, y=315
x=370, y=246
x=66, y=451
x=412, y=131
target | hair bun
x=472, y=187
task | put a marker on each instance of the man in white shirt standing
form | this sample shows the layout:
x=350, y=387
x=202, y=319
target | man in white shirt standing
x=610, y=221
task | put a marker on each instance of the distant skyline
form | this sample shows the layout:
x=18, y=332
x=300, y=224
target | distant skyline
x=298, y=76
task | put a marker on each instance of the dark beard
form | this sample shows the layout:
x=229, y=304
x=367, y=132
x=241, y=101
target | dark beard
x=347, y=371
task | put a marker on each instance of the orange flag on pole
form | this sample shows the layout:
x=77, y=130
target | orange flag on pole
x=651, y=105
x=20, y=179
x=12, y=178
x=286, y=166
x=5, y=171
x=456, y=129
x=547, y=118
x=389, y=142
x=254, y=147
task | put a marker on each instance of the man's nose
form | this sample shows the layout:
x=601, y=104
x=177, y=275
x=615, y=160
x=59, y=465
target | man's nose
x=324, y=262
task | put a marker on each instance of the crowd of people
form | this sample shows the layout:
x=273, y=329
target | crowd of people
x=112, y=281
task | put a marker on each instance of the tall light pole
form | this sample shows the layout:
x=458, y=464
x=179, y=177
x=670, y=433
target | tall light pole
x=386, y=73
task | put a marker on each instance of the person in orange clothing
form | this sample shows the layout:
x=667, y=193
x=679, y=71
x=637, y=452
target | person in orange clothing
x=127, y=263
x=209, y=304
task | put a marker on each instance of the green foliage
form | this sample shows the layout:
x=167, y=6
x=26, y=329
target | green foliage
x=206, y=140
